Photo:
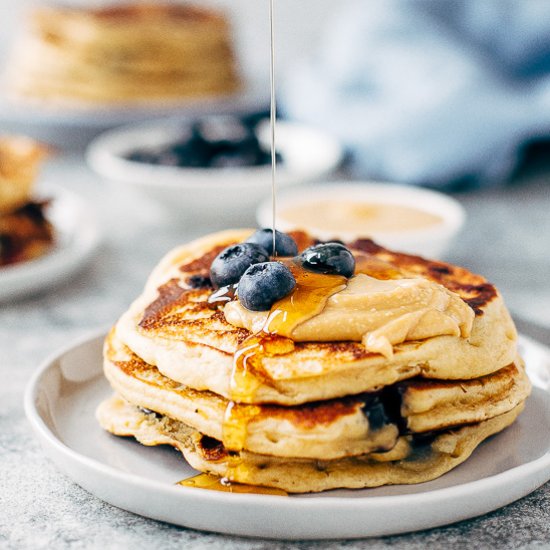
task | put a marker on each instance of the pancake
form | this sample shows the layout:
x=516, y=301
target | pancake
x=131, y=52
x=20, y=159
x=25, y=232
x=172, y=327
x=430, y=405
x=331, y=429
x=411, y=461
x=392, y=376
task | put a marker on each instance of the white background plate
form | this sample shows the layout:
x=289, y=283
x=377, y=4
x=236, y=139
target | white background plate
x=255, y=95
x=76, y=238
x=71, y=125
x=60, y=404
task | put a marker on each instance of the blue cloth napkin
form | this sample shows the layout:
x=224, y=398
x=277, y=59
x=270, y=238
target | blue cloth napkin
x=430, y=92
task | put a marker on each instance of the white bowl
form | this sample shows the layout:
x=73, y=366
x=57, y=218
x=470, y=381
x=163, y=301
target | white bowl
x=211, y=192
x=431, y=241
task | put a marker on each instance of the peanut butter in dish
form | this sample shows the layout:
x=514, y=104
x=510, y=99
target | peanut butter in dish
x=344, y=216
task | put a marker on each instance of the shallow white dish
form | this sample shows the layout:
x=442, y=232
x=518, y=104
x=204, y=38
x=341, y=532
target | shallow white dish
x=77, y=236
x=431, y=241
x=80, y=113
x=62, y=396
x=308, y=154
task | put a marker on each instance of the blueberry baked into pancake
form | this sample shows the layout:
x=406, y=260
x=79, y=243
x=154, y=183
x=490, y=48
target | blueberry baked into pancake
x=307, y=366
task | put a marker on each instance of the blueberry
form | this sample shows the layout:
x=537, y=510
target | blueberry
x=263, y=284
x=329, y=258
x=376, y=413
x=284, y=244
x=229, y=265
x=199, y=281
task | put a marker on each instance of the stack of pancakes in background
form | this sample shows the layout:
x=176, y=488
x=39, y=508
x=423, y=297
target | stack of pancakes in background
x=306, y=416
x=123, y=53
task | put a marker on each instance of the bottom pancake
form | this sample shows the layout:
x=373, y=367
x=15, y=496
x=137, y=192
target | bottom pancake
x=412, y=460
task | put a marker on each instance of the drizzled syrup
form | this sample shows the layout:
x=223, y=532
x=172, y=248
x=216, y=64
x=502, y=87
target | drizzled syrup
x=307, y=300
x=272, y=121
x=215, y=483
x=248, y=374
x=375, y=267
x=235, y=424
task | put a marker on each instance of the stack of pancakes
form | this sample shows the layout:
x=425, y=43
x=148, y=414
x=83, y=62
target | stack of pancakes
x=314, y=415
x=135, y=51
x=25, y=232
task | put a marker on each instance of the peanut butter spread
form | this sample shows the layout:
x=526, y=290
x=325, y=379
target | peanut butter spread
x=378, y=313
x=337, y=216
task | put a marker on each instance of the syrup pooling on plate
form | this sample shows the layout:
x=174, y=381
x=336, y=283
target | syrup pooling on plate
x=215, y=483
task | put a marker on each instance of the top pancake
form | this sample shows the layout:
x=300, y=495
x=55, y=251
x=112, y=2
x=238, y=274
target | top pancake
x=171, y=326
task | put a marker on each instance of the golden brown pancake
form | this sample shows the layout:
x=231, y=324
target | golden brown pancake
x=131, y=52
x=25, y=232
x=411, y=461
x=172, y=327
x=326, y=429
x=431, y=405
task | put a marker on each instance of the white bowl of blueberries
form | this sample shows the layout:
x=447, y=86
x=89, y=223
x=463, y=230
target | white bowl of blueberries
x=214, y=166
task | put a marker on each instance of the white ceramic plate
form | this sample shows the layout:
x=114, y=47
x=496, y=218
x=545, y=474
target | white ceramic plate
x=61, y=399
x=74, y=113
x=77, y=237
x=66, y=123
